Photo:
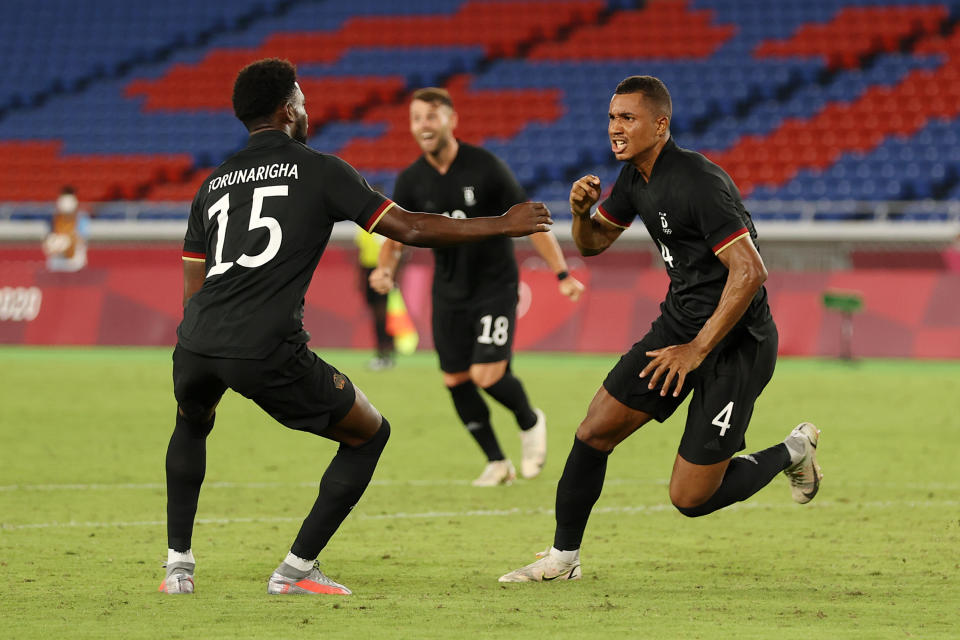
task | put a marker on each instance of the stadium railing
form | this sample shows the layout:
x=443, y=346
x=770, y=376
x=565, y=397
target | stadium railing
x=921, y=222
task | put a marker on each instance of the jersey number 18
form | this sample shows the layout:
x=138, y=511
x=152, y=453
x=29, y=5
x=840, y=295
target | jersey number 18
x=221, y=208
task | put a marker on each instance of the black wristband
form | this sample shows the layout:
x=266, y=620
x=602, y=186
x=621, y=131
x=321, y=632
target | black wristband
x=563, y=275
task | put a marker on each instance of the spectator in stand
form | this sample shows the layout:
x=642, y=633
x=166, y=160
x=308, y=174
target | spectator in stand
x=66, y=244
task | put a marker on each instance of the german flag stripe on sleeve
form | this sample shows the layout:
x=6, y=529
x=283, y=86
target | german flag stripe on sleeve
x=379, y=213
x=194, y=256
x=729, y=240
x=610, y=219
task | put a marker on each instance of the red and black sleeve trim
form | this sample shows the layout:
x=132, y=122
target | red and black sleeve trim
x=378, y=214
x=729, y=240
x=611, y=219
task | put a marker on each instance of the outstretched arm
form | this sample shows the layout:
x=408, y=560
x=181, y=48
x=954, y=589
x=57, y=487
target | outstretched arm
x=430, y=230
x=549, y=249
x=591, y=235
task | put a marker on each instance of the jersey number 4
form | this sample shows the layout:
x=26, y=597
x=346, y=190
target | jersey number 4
x=221, y=209
x=667, y=256
x=723, y=418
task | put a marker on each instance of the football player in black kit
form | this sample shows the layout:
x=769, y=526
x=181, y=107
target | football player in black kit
x=475, y=285
x=256, y=230
x=714, y=337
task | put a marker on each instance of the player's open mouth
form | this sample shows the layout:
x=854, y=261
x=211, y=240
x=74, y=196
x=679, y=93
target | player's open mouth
x=618, y=145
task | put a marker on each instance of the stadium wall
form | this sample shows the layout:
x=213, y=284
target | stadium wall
x=131, y=295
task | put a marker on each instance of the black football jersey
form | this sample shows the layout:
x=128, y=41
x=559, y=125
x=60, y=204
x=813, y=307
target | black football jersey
x=477, y=184
x=261, y=222
x=693, y=211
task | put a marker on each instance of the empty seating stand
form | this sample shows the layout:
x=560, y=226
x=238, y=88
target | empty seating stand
x=799, y=99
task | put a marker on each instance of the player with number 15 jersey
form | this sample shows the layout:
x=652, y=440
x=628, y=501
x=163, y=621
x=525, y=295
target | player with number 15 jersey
x=257, y=229
x=252, y=299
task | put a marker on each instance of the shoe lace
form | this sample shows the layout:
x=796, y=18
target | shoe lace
x=319, y=576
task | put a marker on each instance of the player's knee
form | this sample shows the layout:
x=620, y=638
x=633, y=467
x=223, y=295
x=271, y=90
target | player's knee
x=690, y=505
x=198, y=423
x=376, y=444
x=693, y=512
x=488, y=374
x=594, y=438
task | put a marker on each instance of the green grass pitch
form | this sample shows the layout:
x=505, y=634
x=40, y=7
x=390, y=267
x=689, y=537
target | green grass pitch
x=83, y=434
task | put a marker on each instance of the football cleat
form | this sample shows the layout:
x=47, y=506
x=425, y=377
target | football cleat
x=534, y=444
x=289, y=580
x=496, y=473
x=551, y=565
x=381, y=363
x=804, y=472
x=179, y=578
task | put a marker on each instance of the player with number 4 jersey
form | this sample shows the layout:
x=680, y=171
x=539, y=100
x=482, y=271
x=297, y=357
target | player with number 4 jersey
x=715, y=336
x=257, y=229
x=475, y=285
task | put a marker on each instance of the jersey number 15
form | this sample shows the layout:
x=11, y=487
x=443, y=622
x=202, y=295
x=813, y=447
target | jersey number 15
x=221, y=208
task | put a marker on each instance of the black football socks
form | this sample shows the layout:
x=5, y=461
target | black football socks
x=186, y=465
x=509, y=392
x=744, y=477
x=577, y=492
x=341, y=487
x=475, y=415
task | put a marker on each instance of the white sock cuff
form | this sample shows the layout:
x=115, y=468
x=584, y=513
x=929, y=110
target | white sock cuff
x=795, y=448
x=298, y=563
x=180, y=556
x=565, y=556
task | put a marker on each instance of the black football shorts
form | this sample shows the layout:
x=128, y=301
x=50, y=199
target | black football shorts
x=296, y=387
x=482, y=332
x=725, y=387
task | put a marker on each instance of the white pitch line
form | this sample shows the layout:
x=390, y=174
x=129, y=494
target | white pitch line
x=473, y=513
x=610, y=482
x=152, y=486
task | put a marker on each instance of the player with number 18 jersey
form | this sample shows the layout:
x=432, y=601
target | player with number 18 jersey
x=477, y=184
x=475, y=286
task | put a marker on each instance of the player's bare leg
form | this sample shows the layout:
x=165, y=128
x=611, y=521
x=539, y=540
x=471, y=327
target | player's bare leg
x=697, y=490
x=693, y=484
x=607, y=424
x=499, y=382
x=362, y=435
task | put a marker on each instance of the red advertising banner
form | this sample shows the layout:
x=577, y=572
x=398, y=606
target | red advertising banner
x=132, y=295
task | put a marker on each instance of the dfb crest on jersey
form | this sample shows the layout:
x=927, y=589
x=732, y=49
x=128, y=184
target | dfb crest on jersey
x=469, y=198
x=663, y=223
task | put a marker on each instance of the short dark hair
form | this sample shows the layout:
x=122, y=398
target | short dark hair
x=652, y=89
x=261, y=87
x=433, y=95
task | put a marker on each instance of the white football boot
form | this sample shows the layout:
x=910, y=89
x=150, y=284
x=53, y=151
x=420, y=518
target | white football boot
x=179, y=578
x=290, y=580
x=553, y=564
x=533, y=442
x=804, y=472
x=496, y=473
